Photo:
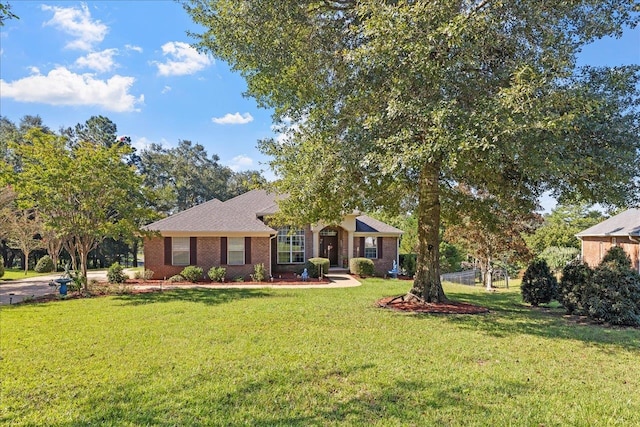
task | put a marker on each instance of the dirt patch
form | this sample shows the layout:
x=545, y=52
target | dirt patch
x=448, y=307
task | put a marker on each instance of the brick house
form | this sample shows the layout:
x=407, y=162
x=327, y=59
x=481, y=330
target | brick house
x=620, y=230
x=235, y=235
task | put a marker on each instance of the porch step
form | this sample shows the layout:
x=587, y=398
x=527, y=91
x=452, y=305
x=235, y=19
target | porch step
x=338, y=270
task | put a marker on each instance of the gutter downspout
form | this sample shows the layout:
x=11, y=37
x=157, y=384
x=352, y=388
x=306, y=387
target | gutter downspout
x=271, y=255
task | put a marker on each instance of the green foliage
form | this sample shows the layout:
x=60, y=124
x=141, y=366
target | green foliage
x=408, y=264
x=315, y=266
x=115, y=274
x=192, y=273
x=538, y=284
x=217, y=274
x=401, y=99
x=144, y=275
x=614, y=295
x=1, y=267
x=450, y=257
x=44, y=265
x=259, y=273
x=561, y=226
x=576, y=276
x=362, y=267
x=558, y=257
x=176, y=278
x=617, y=259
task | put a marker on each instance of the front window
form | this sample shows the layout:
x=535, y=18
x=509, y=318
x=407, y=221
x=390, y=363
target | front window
x=180, y=250
x=235, y=251
x=290, y=245
x=371, y=247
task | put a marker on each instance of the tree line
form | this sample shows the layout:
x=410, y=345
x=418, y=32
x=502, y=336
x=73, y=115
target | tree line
x=83, y=192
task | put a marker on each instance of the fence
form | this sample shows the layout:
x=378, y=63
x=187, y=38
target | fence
x=499, y=278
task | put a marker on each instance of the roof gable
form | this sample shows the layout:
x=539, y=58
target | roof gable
x=366, y=224
x=626, y=223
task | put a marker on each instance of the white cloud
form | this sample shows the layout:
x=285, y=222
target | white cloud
x=166, y=89
x=78, y=24
x=182, y=60
x=63, y=87
x=134, y=48
x=98, y=61
x=241, y=162
x=233, y=119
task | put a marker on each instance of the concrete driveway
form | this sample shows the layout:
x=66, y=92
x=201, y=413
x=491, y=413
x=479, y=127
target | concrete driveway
x=13, y=291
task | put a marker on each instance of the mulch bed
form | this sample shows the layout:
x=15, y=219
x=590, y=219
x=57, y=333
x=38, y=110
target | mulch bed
x=448, y=307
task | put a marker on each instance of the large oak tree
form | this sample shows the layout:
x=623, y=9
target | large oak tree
x=385, y=101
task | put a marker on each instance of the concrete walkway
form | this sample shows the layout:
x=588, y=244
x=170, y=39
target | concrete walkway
x=12, y=292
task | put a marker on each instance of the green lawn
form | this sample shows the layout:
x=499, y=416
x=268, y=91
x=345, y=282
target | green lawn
x=310, y=357
x=17, y=274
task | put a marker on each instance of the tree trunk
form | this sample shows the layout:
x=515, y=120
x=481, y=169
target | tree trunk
x=134, y=251
x=426, y=285
x=26, y=261
x=488, y=276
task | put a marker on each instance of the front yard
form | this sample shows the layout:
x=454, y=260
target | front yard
x=310, y=357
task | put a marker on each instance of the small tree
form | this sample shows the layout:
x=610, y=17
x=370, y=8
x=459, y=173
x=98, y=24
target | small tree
x=538, y=284
x=115, y=274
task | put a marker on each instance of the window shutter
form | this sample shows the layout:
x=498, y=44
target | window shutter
x=247, y=250
x=193, y=251
x=167, y=251
x=361, y=250
x=223, y=251
x=380, y=248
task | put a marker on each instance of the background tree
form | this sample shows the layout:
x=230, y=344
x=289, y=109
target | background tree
x=385, y=101
x=24, y=233
x=560, y=227
x=86, y=193
x=185, y=176
x=5, y=13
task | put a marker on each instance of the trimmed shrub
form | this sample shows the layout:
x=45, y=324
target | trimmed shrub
x=44, y=265
x=617, y=258
x=258, y=273
x=1, y=267
x=143, y=275
x=573, y=286
x=217, y=274
x=175, y=278
x=316, y=265
x=363, y=267
x=613, y=295
x=192, y=273
x=115, y=274
x=538, y=284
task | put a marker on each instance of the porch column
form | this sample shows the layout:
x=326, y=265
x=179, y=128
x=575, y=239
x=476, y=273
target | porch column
x=350, y=244
x=316, y=243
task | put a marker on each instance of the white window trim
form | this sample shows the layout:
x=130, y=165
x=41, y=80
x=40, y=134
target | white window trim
x=298, y=232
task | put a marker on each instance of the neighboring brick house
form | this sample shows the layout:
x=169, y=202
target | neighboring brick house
x=620, y=230
x=235, y=235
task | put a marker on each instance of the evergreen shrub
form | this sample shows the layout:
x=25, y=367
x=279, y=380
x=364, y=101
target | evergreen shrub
x=192, y=273
x=316, y=265
x=538, y=284
x=115, y=274
x=44, y=265
x=363, y=267
x=216, y=274
x=573, y=285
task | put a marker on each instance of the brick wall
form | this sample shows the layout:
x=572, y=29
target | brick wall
x=208, y=251
x=594, y=248
x=389, y=254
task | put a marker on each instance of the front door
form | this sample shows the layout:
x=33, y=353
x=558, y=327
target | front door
x=329, y=245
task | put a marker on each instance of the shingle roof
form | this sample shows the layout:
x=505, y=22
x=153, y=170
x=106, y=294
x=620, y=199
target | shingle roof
x=240, y=214
x=626, y=223
x=213, y=216
x=367, y=224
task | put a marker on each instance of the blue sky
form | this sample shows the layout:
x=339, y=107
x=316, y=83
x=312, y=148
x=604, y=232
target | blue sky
x=131, y=62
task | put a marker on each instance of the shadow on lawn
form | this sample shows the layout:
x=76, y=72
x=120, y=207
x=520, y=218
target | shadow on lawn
x=199, y=295
x=509, y=316
x=287, y=397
